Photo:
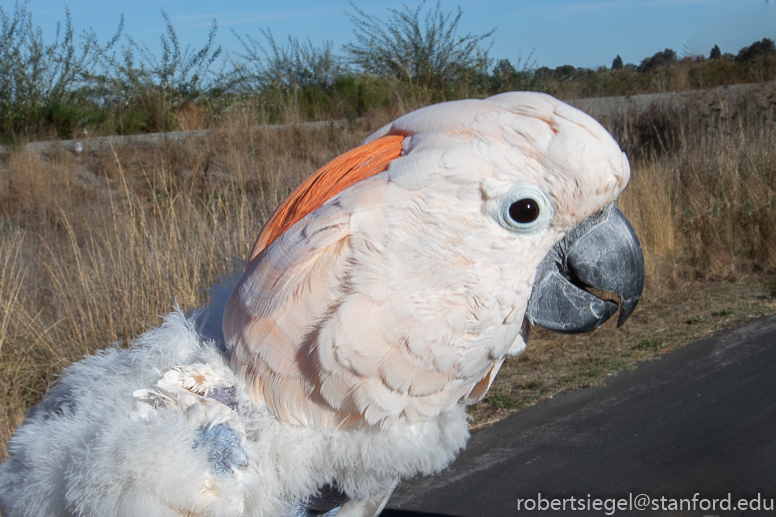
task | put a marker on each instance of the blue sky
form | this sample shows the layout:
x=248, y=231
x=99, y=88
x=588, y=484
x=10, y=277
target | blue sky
x=577, y=32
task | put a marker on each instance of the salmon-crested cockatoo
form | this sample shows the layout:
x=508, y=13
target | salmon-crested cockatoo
x=380, y=299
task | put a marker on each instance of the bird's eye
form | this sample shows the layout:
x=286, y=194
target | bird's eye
x=524, y=211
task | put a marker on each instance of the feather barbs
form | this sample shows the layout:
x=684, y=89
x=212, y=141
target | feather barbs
x=342, y=172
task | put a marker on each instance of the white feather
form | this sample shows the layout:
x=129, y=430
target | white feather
x=126, y=450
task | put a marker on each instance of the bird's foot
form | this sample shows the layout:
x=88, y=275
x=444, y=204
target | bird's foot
x=223, y=446
x=208, y=400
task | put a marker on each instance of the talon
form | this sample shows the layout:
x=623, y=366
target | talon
x=224, y=450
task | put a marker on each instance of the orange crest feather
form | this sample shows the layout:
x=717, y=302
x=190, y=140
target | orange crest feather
x=342, y=172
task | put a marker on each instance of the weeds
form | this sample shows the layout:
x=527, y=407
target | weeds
x=650, y=344
x=504, y=399
x=708, y=163
x=94, y=247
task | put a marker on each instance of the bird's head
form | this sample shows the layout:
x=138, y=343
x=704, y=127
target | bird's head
x=395, y=280
x=543, y=177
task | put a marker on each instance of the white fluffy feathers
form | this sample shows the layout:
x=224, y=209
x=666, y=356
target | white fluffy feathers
x=93, y=449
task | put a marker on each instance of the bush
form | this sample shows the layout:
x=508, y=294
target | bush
x=41, y=85
x=427, y=56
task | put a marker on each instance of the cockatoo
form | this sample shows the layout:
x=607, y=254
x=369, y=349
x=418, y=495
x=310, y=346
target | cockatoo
x=381, y=298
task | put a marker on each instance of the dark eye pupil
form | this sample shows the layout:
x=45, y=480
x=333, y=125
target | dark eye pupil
x=524, y=211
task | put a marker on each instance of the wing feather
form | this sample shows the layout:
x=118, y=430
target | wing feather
x=369, y=306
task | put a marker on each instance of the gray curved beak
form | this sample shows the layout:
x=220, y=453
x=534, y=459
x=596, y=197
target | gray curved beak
x=602, y=252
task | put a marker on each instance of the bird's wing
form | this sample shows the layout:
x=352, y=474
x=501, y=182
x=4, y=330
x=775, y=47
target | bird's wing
x=293, y=281
x=320, y=348
x=286, y=290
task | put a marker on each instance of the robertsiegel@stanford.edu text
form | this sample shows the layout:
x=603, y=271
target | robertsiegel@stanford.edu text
x=611, y=505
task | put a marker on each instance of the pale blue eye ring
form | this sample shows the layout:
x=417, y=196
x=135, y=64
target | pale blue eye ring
x=525, y=209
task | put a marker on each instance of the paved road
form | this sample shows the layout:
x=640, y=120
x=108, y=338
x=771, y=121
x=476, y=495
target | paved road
x=698, y=420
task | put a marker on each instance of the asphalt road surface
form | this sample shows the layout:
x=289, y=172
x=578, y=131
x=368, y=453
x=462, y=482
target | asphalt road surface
x=700, y=420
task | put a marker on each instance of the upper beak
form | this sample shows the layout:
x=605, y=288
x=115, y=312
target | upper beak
x=602, y=252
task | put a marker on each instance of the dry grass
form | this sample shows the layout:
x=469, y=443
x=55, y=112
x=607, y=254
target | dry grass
x=704, y=180
x=94, y=247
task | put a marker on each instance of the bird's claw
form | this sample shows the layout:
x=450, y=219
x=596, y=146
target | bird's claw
x=223, y=446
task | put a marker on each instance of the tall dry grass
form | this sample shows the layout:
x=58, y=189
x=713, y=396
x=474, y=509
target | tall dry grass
x=94, y=247
x=703, y=189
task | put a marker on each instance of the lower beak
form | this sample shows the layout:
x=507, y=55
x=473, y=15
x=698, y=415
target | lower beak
x=602, y=252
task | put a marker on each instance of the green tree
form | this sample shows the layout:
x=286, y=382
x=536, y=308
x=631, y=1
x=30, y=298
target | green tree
x=715, y=53
x=755, y=50
x=296, y=76
x=617, y=63
x=518, y=77
x=144, y=90
x=297, y=65
x=659, y=61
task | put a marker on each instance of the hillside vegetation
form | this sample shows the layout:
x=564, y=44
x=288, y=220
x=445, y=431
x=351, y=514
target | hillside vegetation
x=76, y=84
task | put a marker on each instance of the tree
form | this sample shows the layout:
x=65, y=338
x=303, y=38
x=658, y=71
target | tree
x=755, y=50
x=151, y=87
x=504, y=71
x=426, y=54
x=617, y=63
x=44, y=83
x=658, y=61
x=561, y=73
x=520, y=76
x=716, y=53
x=565, y=71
